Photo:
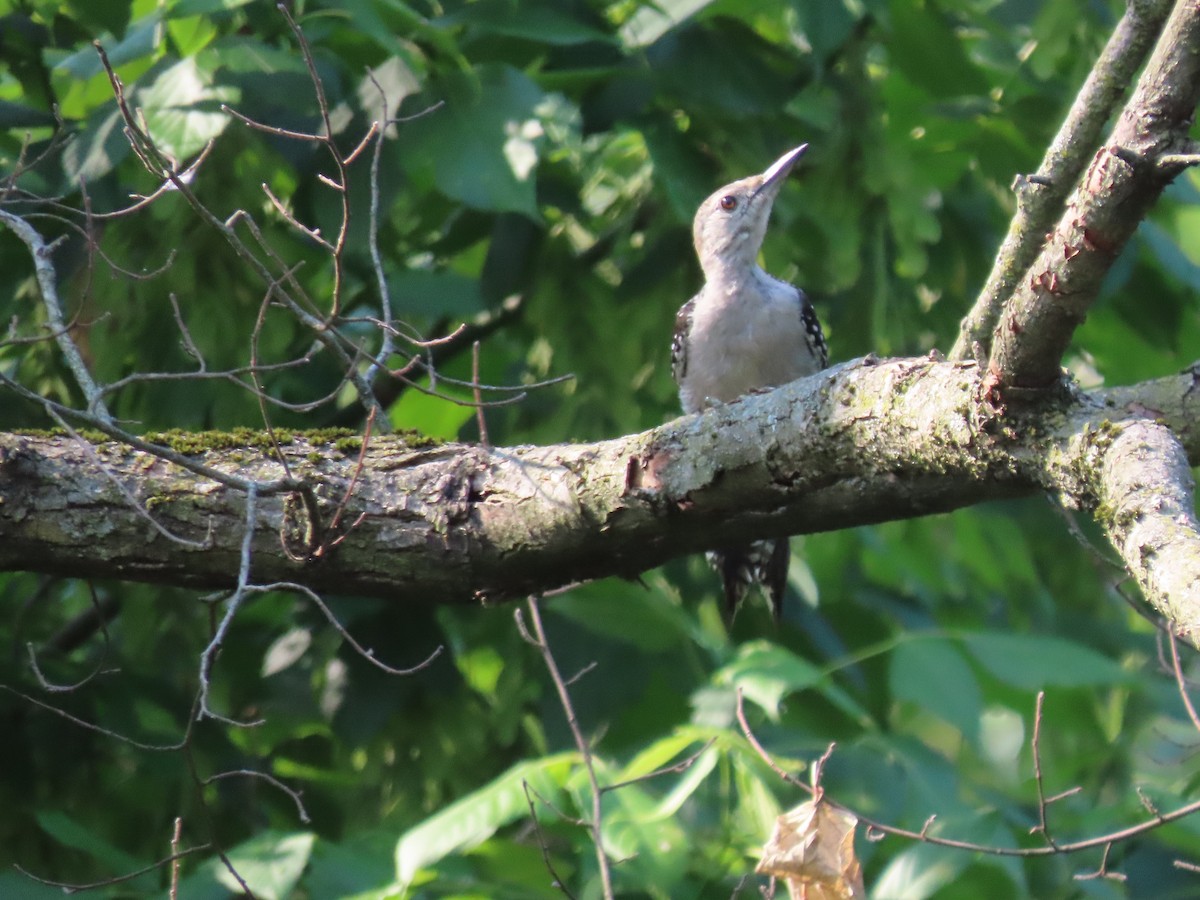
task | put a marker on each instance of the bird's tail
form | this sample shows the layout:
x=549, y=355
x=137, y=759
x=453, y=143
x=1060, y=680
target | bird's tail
x=763, y=563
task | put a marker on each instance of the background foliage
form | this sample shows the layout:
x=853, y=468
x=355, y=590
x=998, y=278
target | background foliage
x=575, y=140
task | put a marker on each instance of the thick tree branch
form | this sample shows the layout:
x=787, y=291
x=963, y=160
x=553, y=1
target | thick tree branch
x=1147, y=506
x=1040, y=197
x=857, y=444
x=1122, y=183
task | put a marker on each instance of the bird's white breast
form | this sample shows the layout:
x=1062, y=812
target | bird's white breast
x=743, y=338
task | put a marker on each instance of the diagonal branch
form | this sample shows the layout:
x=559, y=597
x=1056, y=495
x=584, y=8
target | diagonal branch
x=48, y=284
x=1123, y=182
x=1040, y=197
x=1147, y=507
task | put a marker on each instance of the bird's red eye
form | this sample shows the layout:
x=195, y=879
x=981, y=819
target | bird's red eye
x=728, y=202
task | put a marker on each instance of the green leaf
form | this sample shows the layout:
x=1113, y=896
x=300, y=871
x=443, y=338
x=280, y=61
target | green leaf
x=349, y=869
x=477, y=816
x=98, y=148
x=435, y=294
x=434, y=417
x=183, y=108
x=926, y=49
x=70, y=833
x=653, y=20
x=204, y=7
x=766, y=673
x=480, y=148
x=270, y=862
x=17, y=115
x=687, y=784
x=22, y=887
x=1037, y=661
x=923, y=870
x=139, y=41
x=933, y=674
x=545, y=23
x=918, y=872
x=102, y=15
x=662, y=752
x=654, y=625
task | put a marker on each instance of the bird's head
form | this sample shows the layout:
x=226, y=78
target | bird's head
x=730, y=224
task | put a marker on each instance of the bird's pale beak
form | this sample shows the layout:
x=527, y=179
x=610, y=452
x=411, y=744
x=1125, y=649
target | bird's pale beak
x=780, y=168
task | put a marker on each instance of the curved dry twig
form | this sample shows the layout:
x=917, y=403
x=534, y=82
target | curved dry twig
x=295, y=795
x=68, y=887
x=365, y=652
x=91, y=726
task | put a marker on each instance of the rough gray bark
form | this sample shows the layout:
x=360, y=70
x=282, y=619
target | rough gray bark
x=1148, y=147
x=864, y=442
x=1040, y=197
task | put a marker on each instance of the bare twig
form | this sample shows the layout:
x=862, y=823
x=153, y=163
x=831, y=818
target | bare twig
x=538, y=639
x=342, y=183
x=47, y=280
x=545, y=848
x=269, y=779
x=1101, y=870
x=762, y=751
x=674, y=769
x=71, y=888
x=1035, y=744
x=89, y=726
x=97, y=617
x=365, y=652
x=480, y=418
x=1181, y=681
x=386, y=347
x=208, y=657
x=176, y=835
x=142, y=144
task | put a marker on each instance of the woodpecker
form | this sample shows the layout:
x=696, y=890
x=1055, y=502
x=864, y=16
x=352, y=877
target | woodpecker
x=744, y=331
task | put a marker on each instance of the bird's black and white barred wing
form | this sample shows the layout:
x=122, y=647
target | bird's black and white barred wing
x=679, y=340
x=812, y=329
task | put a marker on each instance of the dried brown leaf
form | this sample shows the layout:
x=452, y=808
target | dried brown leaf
x=812, y=850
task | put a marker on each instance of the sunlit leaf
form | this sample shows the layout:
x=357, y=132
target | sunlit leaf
x=651, y=22
x=204, y=7
x=933, y=674
x=182, y=107
x=766, y=674
x=139, y=41
x=545, y=23
x=1035, y=661
x=480, y=147
x=476, y=817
